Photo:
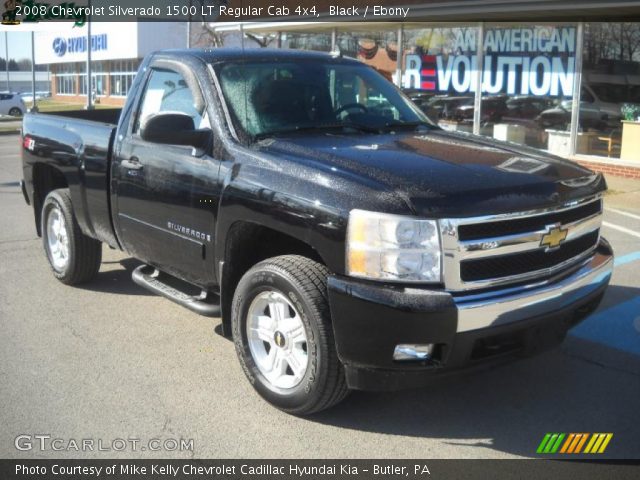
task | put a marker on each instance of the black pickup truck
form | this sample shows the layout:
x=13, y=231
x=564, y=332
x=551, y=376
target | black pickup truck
x=345, y=241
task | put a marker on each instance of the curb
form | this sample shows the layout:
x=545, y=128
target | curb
x=9, y=132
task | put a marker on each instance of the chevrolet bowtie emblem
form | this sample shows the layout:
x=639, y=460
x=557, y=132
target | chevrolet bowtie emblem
x=554, y=237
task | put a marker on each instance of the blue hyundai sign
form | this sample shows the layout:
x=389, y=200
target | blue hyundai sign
x=61, y=46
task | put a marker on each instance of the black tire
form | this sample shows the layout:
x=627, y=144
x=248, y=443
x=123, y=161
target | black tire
x=84, y=253
x=304, y=283
x=15, y=112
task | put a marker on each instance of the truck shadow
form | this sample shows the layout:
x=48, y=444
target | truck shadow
x=581, y=386
x=117, y=281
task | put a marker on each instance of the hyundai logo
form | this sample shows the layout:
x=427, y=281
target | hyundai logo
x=60, y=46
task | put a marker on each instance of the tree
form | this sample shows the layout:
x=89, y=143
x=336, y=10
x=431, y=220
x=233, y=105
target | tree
x=13, y=65
x=202, y=35
x=24, y=64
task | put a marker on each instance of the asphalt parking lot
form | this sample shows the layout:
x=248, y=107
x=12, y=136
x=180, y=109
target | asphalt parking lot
x=111, y=361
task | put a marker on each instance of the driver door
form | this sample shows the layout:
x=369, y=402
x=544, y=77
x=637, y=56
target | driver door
x=167, y=194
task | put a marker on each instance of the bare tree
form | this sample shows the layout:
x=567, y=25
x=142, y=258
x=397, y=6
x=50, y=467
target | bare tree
x=262, y=40
x=206, y=36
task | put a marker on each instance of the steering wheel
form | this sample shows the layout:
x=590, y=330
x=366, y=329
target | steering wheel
x=349, y=106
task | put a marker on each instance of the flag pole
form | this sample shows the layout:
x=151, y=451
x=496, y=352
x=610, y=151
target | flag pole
x=89, y=105
x=34, y=105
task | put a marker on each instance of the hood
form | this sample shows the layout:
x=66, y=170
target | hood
x=441, y=173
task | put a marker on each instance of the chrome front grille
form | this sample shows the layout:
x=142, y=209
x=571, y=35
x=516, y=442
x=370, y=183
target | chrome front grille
x=484, y=252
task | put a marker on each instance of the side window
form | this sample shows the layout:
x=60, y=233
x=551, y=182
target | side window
x=167, y=91
x=349, y=88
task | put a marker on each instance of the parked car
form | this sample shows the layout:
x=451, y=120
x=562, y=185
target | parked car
x=444, y=106
x=492, y=110
x=342, y=248
x=528, y=107
x=595, y=114
x=418, y=96
x=12, y=104
x=28, y=96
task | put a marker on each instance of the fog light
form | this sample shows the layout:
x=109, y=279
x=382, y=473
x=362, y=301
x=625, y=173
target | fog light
x=412, y=352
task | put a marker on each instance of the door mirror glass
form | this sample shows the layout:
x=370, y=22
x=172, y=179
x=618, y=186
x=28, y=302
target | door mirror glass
x=174, y=128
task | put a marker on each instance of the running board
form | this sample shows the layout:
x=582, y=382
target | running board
x=206, y=303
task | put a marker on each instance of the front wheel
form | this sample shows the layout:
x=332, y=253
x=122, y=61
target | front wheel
x=283, y=335
x=15, y=112
x=74, y=257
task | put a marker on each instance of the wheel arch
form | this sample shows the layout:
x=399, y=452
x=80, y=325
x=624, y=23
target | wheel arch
x=46, y=178
x=246, y=244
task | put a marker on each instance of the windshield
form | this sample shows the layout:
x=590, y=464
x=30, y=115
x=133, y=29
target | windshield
x=267, y=98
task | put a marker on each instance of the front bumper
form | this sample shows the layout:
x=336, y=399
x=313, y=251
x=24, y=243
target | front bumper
x=369, y=320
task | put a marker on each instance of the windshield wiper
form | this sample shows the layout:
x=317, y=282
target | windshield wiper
x=323, y=127
x=409, y=125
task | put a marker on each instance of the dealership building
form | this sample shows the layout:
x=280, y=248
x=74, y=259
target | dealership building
x=116, y=52
x=562, y=76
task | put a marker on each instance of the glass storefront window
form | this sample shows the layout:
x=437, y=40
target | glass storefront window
x=440, y=73
x=121, y=75
x=320, y=42
x=65, y=79
x=610, y=95
x=98, y=79
x=376, y=48
x=527, y=80
x=528, y=83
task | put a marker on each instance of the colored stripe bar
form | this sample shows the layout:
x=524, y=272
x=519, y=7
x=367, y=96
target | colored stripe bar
x=556, y=446
x=607, y=439
x=591, y=442
x=581, y=443
x=543, y=443
x=568, y=442
x=596, y=446
x=574, y=443
x=550, y=443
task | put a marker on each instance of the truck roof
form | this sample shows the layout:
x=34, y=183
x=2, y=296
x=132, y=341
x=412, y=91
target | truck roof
x=212, y=55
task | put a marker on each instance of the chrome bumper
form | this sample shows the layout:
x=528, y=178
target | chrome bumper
x=508, y=306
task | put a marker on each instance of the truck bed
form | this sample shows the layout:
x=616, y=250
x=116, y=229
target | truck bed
x=78, y=144
x=104, y=115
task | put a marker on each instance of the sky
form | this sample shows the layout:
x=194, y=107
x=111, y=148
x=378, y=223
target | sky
x=19, y=44
x=19, y=36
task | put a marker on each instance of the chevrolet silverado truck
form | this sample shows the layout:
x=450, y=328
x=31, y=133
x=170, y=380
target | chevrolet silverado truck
x=344, y=240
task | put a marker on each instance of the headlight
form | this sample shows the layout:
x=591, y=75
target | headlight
x=392, y=247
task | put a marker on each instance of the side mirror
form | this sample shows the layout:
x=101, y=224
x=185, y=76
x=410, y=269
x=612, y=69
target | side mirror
x=174, y=128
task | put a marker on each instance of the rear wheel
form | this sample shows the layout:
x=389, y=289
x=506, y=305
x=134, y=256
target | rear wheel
x=15, y=112
x=74, y=257
x=283, y=335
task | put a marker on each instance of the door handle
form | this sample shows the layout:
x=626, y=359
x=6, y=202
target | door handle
x=132, y=164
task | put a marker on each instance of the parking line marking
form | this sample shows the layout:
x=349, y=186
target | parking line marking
x=621, y=229
x=628, y=258
x=615, y=327
x=622, y=212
